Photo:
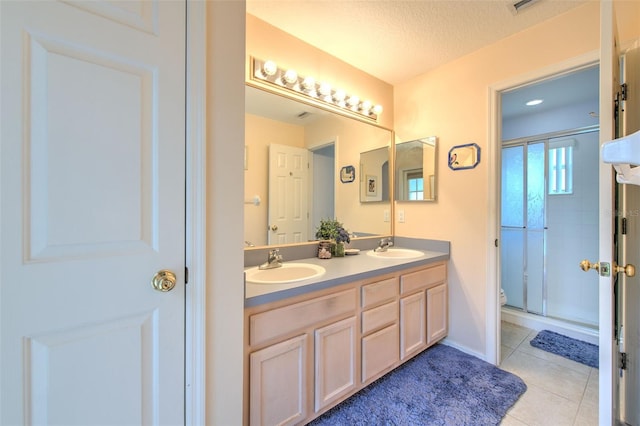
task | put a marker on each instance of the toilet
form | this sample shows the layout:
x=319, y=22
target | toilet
x=503, y=298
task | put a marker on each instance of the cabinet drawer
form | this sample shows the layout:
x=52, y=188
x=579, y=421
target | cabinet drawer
x=379, y=291
x=277, y=322
x=423, y=279
x=379, y=317
x=379, y=351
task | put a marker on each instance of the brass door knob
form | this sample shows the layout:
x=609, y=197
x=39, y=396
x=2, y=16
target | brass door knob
x=629, y=270
x=164, y=280
x=274, y=227
x=585, y=265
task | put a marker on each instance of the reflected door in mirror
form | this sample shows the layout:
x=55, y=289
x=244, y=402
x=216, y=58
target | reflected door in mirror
x=288, y=180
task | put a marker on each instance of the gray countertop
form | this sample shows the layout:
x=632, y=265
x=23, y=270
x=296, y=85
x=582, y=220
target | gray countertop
x=339, y=270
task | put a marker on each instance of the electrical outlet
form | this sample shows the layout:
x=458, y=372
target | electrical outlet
x=401, y=216
x=386, y=216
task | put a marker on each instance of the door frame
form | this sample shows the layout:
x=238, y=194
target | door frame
x=493, y=312
x=195, y=247
x=216, y=64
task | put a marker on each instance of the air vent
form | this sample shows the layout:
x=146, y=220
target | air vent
x=519, y=5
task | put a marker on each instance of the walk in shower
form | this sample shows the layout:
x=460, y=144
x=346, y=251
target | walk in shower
x=549, y=222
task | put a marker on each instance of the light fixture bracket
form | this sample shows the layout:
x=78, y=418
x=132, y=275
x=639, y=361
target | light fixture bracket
x=318, y=93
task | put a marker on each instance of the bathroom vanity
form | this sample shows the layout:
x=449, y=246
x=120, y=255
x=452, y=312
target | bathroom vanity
x=310, y=345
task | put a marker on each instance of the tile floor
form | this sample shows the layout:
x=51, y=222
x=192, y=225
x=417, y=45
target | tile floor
x=559, y=391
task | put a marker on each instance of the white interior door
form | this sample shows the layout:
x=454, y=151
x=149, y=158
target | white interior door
x=288, y=184
x=92, y=205
x=628, y=313
x=609, y=85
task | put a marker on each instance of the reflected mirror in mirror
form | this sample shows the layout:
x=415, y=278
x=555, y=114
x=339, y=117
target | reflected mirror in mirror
x=374, y=176
x=291, y=167
x=415, y=170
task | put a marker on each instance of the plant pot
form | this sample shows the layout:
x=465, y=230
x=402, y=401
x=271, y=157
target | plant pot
x=339, y=250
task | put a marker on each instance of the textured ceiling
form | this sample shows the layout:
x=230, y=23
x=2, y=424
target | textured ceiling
x=398, y=40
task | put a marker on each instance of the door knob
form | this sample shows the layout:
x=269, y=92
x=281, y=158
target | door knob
x=629, y=270
x=585, y=265
x=164, y=280
x=274, y=227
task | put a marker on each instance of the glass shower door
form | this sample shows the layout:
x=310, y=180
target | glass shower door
x=523, y=229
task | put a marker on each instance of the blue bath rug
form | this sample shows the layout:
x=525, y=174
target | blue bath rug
x=576, y=350
x=440, y=386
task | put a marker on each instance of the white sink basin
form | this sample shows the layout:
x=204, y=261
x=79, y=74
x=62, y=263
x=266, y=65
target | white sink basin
x=396, y=253
x=287, y=273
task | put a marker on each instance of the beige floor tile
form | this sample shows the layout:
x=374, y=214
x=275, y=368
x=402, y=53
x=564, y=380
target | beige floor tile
x=510, y=421
x=587, y=413
x=505, y=351
x=540, y=407
x=547, y=375
x=512, y=335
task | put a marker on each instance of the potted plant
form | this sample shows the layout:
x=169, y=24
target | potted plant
x=332, y=230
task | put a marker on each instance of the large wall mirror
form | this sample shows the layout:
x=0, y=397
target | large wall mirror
x=415, y=170
x=295, y=155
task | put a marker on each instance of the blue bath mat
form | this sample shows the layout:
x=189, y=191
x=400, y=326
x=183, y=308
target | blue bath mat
x=576, y=350
x=440, y=386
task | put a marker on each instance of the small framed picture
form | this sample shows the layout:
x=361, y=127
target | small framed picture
x=372, y=185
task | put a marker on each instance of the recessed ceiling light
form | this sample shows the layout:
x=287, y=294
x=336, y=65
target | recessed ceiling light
x=533, y=102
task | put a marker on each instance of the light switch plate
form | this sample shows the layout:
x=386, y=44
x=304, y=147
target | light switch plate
x=401, y=216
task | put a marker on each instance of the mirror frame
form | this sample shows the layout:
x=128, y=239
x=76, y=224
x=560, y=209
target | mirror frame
x=471, y=152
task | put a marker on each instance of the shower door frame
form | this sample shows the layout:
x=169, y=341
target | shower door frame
x=525, y=142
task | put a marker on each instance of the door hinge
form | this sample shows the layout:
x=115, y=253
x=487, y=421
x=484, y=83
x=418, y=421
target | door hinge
x=622, y=361
x=623, y=226
x=186, y=275
x=624, y=91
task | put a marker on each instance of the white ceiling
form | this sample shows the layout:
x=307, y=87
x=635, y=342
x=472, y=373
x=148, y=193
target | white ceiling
x=396, y=40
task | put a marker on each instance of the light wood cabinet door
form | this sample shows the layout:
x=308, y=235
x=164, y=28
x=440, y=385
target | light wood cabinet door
x=379, y=352
x=278, y=383
x=335, y=361
x=413, y=336
x=437, y=313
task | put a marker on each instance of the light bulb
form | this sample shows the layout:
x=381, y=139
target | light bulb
x=324, y=89
x=353, y=101
x=309, y=83
x=291, y=76
x=339, y=96
x=377, y=110
x=365, y=107
x=270, y=68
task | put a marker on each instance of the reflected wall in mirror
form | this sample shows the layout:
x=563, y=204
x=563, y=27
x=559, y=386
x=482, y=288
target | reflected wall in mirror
x=296, y=193
x=415, y=170
x=374, y=176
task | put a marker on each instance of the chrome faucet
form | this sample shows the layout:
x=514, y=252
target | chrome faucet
x=274, y=260
x=383, y=245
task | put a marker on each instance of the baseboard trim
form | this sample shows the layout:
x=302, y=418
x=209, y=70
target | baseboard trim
x=536, y=322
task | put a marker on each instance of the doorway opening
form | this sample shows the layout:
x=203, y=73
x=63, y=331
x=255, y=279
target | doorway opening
x=548, y=204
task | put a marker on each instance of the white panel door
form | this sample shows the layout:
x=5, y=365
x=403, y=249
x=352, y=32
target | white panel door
x=288, y=205
x=629, y=287
x=92, y=205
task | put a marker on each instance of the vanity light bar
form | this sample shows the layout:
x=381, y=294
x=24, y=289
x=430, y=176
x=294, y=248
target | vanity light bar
x=307, y=86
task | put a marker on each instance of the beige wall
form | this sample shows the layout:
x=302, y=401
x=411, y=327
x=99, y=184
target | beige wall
x=452, y=102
